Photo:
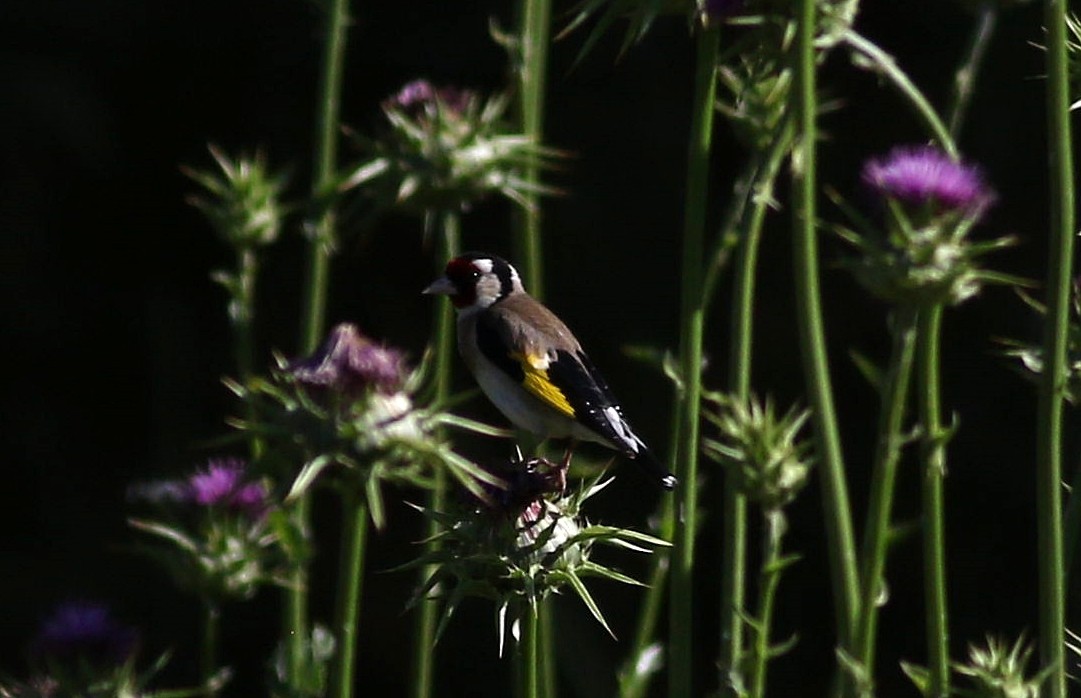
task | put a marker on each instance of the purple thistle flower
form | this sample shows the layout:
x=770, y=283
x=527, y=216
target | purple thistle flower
x=923, y=176
x=86, y=631
x=420, y=96
x=222, y=484
x=351, y=363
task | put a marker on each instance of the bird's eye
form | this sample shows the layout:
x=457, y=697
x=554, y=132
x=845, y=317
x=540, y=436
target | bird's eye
x=462, y=271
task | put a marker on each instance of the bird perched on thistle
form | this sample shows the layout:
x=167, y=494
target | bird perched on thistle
x=530, y=365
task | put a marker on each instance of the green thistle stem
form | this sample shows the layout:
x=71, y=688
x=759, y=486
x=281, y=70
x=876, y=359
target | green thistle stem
x=964, y=80
x=765, y=167
x=529, y=655
x=322, y=237
x=242, y=314
x=934, y=516
x=632, y=683
x=837, y=514
x=692, y=317
x=535, y=36
x=428, y=617
x=774, y=526
x=883, y=479
x=535, y=33
x=315, y=296
x=547, y=658
x=1049, y=413
x=884, y=64
x=243, y=311
x=208, y=664
x=1071, y=526
x=350, y=582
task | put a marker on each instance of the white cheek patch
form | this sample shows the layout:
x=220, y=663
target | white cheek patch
x=488, y=290
x=484, y=266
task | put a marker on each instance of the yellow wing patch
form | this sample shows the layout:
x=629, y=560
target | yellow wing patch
x=535, y=369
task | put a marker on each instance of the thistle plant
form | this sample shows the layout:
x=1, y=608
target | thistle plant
x=82, y=649
x=919, y=259
x=770, y=466
x=242, y=201
x=443, y=149
x=218, y=536
x=921, y=253
x=1000, y=670
x=522, y=544
x=217, y=524
x=347, y=414
x=348, y=411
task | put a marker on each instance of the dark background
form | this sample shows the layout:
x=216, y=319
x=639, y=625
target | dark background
x=115, y=339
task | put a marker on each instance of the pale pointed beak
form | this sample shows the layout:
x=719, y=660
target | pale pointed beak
x=441, y=286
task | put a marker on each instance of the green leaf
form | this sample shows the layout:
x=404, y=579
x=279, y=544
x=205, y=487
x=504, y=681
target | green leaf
x=867, y=368
x=583, y=593
x=596, y=570
x=472, y=425
x=918, y=675
x=374, y=495
x=307, y=476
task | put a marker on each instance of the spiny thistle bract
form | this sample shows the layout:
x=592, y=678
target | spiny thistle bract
x=530, y=541
x=221, y=528
x=83, y=651
x=998, y=670
x=443, y=149
x=918, y=250
x=1031, y=355
x=756, y=86
x=1073, y=47
x=349, y=408
x=242, y=199
x=762, y=447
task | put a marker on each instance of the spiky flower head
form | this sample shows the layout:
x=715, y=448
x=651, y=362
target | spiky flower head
x=443, y=149
x=347, y=413
x=918, y=250
x=927, y=184
x=218, y=529
x=517, y=552
x=755, y=89
x=223, y=483
x=349, y=363
x=998, y=670
x=85, y=632
x=81, y=649
x=242, y=199
x=762, y=447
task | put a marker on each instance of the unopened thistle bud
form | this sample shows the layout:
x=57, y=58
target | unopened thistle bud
x=443, y=149
x=762, y=448
x=998, y=670
x=242, y=199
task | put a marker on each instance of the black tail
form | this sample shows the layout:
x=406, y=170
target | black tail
x=654, y=468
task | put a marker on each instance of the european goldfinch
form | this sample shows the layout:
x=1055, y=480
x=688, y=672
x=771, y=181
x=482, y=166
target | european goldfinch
x=530, y=365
